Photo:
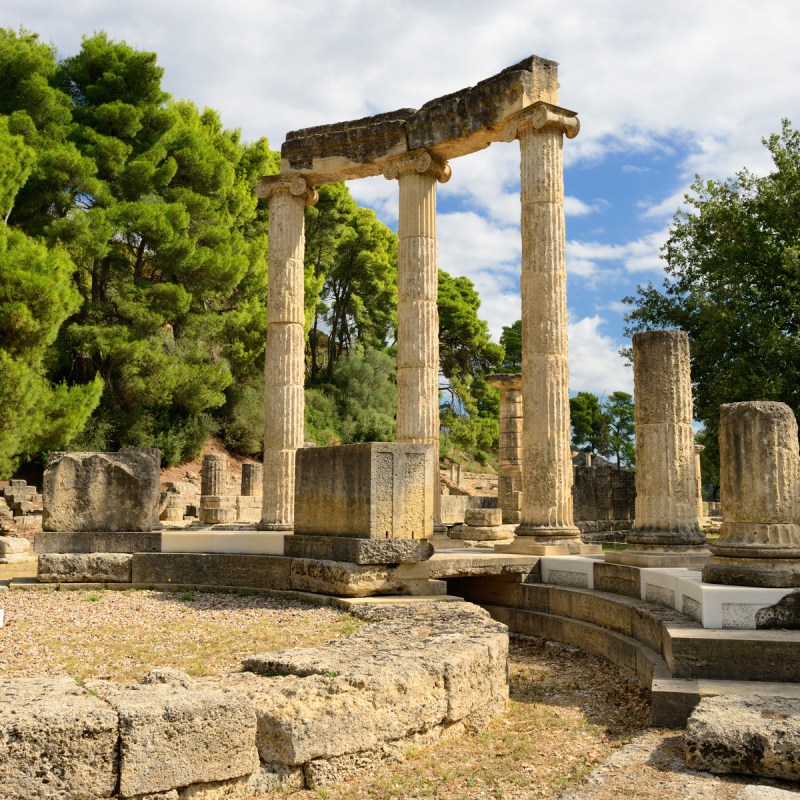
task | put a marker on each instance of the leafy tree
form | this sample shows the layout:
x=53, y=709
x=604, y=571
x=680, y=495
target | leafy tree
x=153, y=201
x=618, y=413
x=35, y=297
x=589, y=423
x=733, y=284
x=511, y=341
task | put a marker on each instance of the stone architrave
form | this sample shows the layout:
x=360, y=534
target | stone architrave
x=759, y=543
x=94, y=492
x=417, y=312
x=284, y=359
x=547, y=524
x=666, y=529
x=509, y=472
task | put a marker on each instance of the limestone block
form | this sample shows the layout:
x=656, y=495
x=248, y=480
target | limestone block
x=101, y=491
x=344, y=579
x=98, y=542
x=171, y=736
x=14, y=545
x=452, y=509
x=372, y=491
x=752, y=735
x=56, y=741
x=211, y=569
x=357, y=551
x=495, y=533
x=483, y=517
x=85, y=567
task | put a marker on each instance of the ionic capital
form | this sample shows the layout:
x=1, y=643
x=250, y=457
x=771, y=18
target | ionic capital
x=541, y=118
x=295, y=185
x=421, y=161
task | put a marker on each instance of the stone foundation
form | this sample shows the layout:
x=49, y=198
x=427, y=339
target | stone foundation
x=305, y=717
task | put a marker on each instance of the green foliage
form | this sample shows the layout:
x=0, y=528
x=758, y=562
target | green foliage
x=618, y=411
x=511, y=341
x=589, y=424
x=153, y=200
x=733, y=284
x=605, y=428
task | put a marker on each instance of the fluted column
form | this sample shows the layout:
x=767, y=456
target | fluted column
x=417, y=312
x=509, y=470
x=546, y=460
x=759, y=543
x=283, y=363
x=698, y=476
x=666, y=530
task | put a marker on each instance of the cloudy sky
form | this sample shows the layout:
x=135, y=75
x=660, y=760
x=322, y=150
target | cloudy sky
x=664, y=90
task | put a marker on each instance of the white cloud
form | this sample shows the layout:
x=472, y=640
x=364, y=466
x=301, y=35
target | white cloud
x=587, y=259
x=594, y=361
x=574, y=207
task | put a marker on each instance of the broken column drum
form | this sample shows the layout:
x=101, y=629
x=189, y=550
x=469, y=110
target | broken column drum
x=666, y=482
x=214, y=475
x=252, y=480
x=759, y=543
x=284, y=368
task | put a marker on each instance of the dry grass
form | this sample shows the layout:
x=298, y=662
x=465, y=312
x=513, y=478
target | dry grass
x=122, y=635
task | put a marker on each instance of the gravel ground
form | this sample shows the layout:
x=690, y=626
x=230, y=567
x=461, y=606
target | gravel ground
x=121, y=635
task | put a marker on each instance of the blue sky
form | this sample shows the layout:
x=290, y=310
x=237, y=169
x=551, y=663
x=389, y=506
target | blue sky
x=664, y=90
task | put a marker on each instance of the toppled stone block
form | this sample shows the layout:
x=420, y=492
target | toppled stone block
x=752, y=735
x=56, y=740
x=101, y=491
x=172, y=737
x=377, y=490
x=14, y=545
x=358, y=551
x=85, y=567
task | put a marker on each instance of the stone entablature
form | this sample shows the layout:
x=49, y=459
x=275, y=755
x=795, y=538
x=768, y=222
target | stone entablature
x=451, y=126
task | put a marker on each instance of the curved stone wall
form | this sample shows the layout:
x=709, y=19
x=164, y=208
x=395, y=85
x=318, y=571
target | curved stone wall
x=413, y=673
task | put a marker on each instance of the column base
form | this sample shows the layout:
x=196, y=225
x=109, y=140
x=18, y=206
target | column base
x=660, y=556
x=778, y=573
x=274, y=526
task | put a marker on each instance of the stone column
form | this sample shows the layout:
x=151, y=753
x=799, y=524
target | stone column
x=759, y=543
x=546, y=524
x=216, y=505
x=252, y=480
x=417, y=313
x=284, y=360
x=666, y=530
x=698, y=448
x=509, y=472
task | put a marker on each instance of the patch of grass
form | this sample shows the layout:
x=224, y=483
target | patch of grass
x=92, y=597
x=187, y=597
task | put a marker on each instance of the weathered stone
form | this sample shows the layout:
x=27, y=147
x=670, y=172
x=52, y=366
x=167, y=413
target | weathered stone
x=478, y=533
x=284, y=356
x=211, y=569
x=373, y=491
x=168, y=675
x=359, y=580
x=451, y=126
x=509, y=471
x=172, y=737
x=357, y=551
x=546, y=513
x=759, y=542
x=214, y=474
x=483, y=517
x=439, y=664
x=85, y=567
x=252, y=480
x=753, y=735
x=101, y=491
x=452, y=508
x=14, y=545
x=98, y=542
x=666, y=483
x=56, y=741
